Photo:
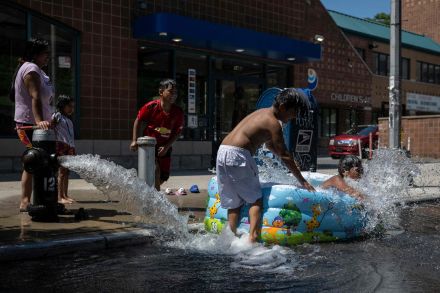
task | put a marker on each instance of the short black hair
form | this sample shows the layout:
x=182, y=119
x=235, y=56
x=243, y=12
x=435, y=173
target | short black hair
x=348, y=162
x=34, y=47
x=167, y=83
x=291, y=98
x=62, y=101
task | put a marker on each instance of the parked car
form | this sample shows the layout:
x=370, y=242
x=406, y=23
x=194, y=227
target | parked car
x=347, y=143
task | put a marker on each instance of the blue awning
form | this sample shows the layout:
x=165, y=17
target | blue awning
x=219, y=37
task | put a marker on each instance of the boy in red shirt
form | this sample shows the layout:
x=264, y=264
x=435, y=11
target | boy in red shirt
x=164, y=122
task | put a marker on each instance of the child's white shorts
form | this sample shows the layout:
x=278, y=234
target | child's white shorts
x=237, y=177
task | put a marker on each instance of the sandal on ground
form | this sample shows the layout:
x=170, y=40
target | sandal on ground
x=181, y=191
x=169, y=191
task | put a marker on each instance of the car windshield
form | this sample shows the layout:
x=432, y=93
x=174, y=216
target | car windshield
x=361, y=130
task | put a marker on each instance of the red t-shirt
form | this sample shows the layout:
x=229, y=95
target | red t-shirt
x=161, y=124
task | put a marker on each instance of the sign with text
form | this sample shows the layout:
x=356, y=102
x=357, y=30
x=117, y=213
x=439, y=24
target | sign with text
x=350, y=98
x=191, y=91
x=424, y=103
x=192, y=121
x=64, y=62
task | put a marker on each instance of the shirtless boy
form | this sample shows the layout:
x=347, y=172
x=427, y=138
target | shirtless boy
x=237, y=172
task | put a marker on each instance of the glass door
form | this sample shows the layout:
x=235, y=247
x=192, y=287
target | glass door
x=235, y=99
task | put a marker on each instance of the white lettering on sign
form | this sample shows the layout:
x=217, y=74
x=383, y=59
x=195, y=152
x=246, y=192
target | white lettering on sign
x=424, y=103
x=191, y=91
x=350, y=98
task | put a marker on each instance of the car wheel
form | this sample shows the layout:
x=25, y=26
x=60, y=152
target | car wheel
x=335, y=157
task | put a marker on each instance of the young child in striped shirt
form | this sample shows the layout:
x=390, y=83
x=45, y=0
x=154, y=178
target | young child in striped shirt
x=63, y=126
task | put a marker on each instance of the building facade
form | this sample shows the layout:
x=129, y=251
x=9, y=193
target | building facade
x=422, y=17
x=111, y=55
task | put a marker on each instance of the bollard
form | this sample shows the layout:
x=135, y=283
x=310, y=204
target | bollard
x=370, y=142
x=360, y=148
x=41, y=161
x=147, y=159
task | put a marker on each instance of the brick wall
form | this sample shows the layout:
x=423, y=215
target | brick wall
x=422, y=17
x=424, y=132
x=340, y=69
x=108, y=62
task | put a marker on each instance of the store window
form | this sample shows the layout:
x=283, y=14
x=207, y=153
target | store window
x=328, y=122
x=361, y=53
x=62, y=67
x=427, y=72
x=405, y=69
x=192, y=91
x=154, y=66
x=12, y=42
x=382, y=65
x=276, y=76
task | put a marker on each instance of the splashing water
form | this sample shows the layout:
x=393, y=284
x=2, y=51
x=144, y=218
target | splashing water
x=387, y=177
x=386, y=181
x=140, y=199
x=143, y=200
x=271, y=169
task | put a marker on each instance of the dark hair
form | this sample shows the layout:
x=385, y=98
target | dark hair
x=34, y=47
x=348, y=162
x=166, y=83
x=62, y=102
x=291, y=98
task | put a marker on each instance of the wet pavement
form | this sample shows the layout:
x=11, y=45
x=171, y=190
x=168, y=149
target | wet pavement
x=407, y=259
x=104, y=215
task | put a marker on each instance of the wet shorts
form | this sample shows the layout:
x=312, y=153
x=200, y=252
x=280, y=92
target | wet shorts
x=25, y=136
x=164, y=163
x=63, y=149
x=237, y=177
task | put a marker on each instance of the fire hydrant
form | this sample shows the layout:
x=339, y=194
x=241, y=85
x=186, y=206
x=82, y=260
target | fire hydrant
x=41, y=161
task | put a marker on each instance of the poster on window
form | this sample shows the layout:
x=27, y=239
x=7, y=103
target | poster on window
x=192, y=121
x=191, y=91
x=64, y=62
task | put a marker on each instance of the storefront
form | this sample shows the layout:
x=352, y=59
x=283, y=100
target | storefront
x=221, y=70
x=19, y=25
x=226, y=88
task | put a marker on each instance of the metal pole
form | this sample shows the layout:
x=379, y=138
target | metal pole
x=394, y=94
x=147, y=159
x=370, y=145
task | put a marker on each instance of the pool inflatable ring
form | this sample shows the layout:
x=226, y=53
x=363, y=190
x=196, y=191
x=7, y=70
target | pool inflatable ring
x=293, y=215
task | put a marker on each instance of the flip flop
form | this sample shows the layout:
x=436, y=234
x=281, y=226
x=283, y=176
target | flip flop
x=181, y=191
x=169, y=191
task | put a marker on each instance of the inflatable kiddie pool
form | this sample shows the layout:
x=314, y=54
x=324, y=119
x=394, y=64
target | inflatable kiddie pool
x=292, y=215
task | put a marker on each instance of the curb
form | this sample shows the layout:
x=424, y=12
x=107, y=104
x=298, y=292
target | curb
x=68, y=245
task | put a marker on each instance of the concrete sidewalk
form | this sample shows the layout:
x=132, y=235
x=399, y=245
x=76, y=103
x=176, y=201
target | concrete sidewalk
x=108, y=225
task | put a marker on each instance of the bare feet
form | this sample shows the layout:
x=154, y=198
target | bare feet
x=24, y=205
x=70, y=199
x=64, y=201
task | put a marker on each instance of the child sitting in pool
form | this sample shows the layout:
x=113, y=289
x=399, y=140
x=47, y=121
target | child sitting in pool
x=349, y=166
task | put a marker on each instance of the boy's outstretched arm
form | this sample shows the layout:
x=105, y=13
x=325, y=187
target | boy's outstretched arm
x=277, y=146
x=341, y=185
x=133, y=145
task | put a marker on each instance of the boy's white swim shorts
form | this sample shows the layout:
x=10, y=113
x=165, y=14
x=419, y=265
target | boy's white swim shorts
x=237, y=177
